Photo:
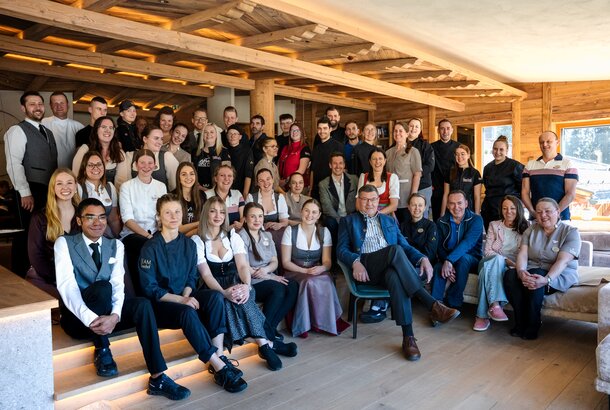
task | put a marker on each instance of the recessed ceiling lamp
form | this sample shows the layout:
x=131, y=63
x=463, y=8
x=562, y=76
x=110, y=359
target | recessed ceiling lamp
x=164, y=1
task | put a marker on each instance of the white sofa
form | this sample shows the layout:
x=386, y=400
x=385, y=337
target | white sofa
x=579, y=302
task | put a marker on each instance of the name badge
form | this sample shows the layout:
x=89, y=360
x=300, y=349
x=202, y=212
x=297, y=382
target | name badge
x=420, y=230
x=555, y=249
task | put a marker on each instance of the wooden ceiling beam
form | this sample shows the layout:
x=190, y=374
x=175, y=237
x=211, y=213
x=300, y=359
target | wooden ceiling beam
x=302, y=94
x=111, y=46
x=108, y=79
x=469, y=92
x=98, y=5
x=213, y=16
x=95, y=59
x=122, y=95
x=377, y=65
x=352, y=26
x=145, y=34
x=38, y=82
x=291, y=35
x=37, y=32
x=412, y=76
x=80, y=91
x=350, y=52
x=159, y=99
x=444, y=85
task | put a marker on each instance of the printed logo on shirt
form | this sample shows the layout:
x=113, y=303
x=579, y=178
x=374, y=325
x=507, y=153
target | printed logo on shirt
x=467, y=179
x=145, y=263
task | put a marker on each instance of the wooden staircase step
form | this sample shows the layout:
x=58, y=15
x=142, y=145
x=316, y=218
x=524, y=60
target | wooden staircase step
x=78, y=387
x=81, y=354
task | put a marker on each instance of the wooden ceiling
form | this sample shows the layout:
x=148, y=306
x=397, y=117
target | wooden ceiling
x=174, y=52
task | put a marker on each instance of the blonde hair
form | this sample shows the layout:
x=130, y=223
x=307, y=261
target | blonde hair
x=204, y=227
x=52, y=212
x=218, y=146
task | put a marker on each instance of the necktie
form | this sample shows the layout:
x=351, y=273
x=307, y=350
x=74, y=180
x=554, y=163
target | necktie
x=97, y=259
x=43, y=132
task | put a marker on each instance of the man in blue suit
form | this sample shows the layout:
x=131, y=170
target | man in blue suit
x=371, y=243
x=90, y=281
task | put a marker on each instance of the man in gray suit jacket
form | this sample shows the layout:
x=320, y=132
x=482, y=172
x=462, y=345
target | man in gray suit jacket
x=337, y=194
x=90, y=280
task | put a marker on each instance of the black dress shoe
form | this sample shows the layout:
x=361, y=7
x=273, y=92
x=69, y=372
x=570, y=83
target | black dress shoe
x=410, y=349
x=278, y=337
x=372, y=316
x=104, y=363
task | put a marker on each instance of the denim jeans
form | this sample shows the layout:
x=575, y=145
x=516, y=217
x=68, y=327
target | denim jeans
x=491, y=288
x=455, y=292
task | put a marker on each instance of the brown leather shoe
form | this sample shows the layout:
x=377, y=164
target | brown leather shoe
x=410, y=349
x=442, y=314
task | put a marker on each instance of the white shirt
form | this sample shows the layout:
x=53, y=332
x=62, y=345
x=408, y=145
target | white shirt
x=123, y=170
x=68, y=287
x=394, y=186
x=138, y=201
x=234, y=246
x=104, y=196
x=14, y=150
x=64, y=132
x=340, y=193
x=280, y=207
x=302, y=239
x=78, y=159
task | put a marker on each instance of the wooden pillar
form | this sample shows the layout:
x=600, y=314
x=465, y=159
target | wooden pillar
x=313, y=127
x=516, y=123
x=370, y=117
x=432, y=136
x=262, y=102
x=547, y=106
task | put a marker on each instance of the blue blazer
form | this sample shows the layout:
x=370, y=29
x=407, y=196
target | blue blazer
x=352, y=229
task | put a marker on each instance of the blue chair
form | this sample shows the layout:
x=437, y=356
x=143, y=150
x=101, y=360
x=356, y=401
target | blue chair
x=357, y=292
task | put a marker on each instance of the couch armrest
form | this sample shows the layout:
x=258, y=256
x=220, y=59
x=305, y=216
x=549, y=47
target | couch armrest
x=603, y=312
x=585, y=258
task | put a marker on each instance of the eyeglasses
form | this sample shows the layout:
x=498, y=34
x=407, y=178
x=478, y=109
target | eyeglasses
x=368, y=200
x=200, y=119
x=92, y=218
x=98, y=165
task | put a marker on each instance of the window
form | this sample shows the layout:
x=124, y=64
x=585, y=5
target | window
x=489, y=133
x=587, y=144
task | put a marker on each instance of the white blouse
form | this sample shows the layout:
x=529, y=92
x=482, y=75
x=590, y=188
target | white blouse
x=104, y=196
x=281, y=207
x=302, y=239
x=394, y=186
x=234, y=246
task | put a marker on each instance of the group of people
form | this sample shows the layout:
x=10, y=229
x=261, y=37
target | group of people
x=257, y=219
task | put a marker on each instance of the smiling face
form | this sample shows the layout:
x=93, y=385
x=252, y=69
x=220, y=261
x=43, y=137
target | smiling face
x=499, y=151
x=400, y=135
x=216, y=215
x=97, y=110
x=285, y=125
x=548, y=145
x=154, y=140
x=179, y=135
x=34, y=108
x=324, y=132
x=229, y=118
x=509, y=212
x=295, y=133
x=417, y=206
x=234, y=137
x=129, y=115
x=334, y=117
x=377, y=161
x=270, y=148
x=414, y=129
x=255, y=218
x=457, y=204
x=310, y=213
x=59, y=106
x=105, y=132
x=145, y=166
x=368, y=202
x=188, y=176
x=265, y=181
x=370, y=134
x=351, y=131
x=93, y=222
x=224, y=179
x=65, y=187
x=199, y=120
x=95, y=168
x=297, y=183
x=166, y=121
x=210, y=135
x=547, y=215
x=461, y=157
x=445, y=130
x=337, y=165
x=170, y=215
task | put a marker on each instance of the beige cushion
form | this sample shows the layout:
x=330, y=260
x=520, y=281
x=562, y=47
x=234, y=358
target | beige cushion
x=576, y=299
x=593, y=275
x=603, y=359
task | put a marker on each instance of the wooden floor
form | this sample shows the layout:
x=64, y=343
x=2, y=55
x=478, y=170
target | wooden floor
x=459, y=368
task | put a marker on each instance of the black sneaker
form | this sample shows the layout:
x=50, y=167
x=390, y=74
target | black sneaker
x=105, y=365
x=229, y=380
x=164, y=386
x=266, y=353
x=231, y=363
x=285, y=349
x=278, y=337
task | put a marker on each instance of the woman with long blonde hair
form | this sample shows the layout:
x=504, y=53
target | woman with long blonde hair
x=48, y=224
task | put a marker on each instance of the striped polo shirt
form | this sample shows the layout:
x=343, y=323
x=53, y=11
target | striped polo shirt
x=548, y=179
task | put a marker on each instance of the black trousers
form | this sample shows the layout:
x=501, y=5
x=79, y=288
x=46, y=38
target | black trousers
x=526, y=303
x=20, y=262
x=133, y=246
x=137, y=312
x=390, y=267
x=199, y=326
x=277, y=299
x=436, y=202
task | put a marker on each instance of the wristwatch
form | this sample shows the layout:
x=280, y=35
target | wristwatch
x=549, y=280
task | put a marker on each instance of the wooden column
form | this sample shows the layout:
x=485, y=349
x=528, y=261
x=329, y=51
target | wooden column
x=370, y=117
x=432, y=124
x=516, y=123
x=313, y=126
x=547, y=106
x=262, y=102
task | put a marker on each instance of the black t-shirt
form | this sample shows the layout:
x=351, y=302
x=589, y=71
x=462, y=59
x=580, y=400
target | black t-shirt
x=282, y=141
x=243, y=162
x=83, y=136
x=360, y=156
x=444, y=158
x=338, y=134
x=465, y=180
x=206, y=163
x=427, y=162
x=320, y=158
